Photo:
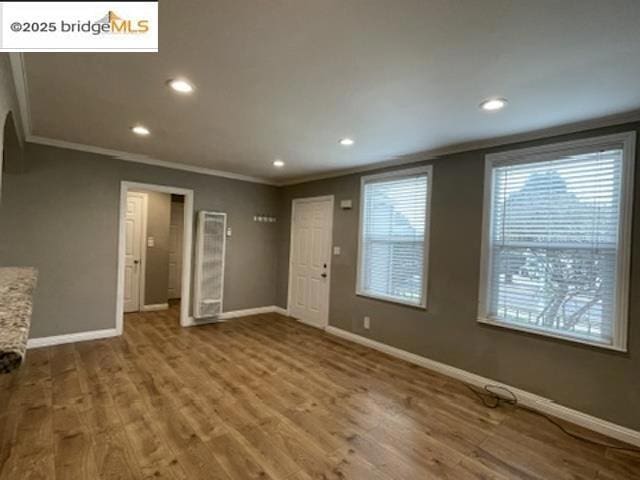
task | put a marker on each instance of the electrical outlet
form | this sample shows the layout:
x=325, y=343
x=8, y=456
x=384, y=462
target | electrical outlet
x=367, y=323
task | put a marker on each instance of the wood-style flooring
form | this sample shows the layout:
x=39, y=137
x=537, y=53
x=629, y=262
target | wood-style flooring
x=265, y=397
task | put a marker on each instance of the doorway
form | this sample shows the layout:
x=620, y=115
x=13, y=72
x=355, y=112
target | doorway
x=310, y=260
x=154, y=250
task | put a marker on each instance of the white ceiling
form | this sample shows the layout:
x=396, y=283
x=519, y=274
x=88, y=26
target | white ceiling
x=289, y=78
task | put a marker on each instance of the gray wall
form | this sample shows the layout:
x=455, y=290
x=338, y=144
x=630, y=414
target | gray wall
x=594, y=380
x=12, y=159
x=156, y=284
x=62, y=217
x=9, y=105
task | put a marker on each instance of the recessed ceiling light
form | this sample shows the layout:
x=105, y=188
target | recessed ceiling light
x=140, y=130
x=493, y=104
x=346, y=142
x=180, y=85
x=278, y=163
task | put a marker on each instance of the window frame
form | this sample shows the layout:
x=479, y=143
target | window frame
x=627, y=142
x=393, y=175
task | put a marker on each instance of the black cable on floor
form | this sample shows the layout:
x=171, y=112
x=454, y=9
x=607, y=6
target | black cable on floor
x=491, y=399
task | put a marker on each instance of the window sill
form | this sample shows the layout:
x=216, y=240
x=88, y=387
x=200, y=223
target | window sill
x=546, y=333
x=395, y=301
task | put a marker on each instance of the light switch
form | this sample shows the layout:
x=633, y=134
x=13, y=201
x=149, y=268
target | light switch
x=151, y=242
x=345, y=204
x=336, y=250
x=228, y=231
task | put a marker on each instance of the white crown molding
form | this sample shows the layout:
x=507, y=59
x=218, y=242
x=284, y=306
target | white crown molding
x=541, y=134
x=22, y=93
x=527, y=399
x=71, y=338
x=139, y=158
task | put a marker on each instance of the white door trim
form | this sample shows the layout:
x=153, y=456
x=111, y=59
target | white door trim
x=330, y=198
x=187, y=226
x=143, y=251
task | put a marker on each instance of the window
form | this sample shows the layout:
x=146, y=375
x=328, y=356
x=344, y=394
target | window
x=394, y=223
x=556, y=240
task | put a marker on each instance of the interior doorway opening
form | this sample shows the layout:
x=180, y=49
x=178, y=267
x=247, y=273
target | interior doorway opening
x=154, y=261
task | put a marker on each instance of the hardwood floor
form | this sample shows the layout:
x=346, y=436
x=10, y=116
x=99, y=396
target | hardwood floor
x=265, y=397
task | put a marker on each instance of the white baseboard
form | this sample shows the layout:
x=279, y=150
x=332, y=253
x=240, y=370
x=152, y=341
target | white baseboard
x=247, y=312
x=71, y=338
x=310, y=324
x=528, y=399
x=155, y=307
x=281, y=311
x=224, y=316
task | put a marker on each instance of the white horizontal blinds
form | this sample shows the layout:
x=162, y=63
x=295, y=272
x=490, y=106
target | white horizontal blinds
x=554, y=244
x=394, y=218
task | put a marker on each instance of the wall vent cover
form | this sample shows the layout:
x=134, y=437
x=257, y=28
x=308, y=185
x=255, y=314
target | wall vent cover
x=210, y=253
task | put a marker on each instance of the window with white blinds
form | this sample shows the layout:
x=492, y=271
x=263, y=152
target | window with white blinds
x=556, y=243
x=393, y=228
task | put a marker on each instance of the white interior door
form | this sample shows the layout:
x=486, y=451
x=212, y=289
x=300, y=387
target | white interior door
x=311, y=234
x=175, y=249
x=133, y=251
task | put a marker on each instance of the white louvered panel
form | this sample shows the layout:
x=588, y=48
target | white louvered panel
x=210, y=253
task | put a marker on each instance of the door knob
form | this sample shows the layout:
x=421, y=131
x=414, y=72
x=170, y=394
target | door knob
x=324, y=275
x=136, y=261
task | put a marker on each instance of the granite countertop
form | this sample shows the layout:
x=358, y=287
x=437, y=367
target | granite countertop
x=16, y=291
